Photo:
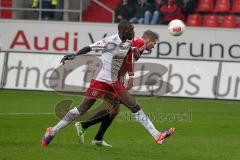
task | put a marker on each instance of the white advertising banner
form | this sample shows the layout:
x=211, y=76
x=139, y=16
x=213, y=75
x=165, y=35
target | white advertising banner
x=189, y=78
x=33, y=71
x=30, y=71
x=61, y=37
x=229, y=81
x=1, y=65
x=198, y=79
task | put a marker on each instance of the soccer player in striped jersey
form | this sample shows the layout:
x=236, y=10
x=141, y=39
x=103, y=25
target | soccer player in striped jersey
x=147, y=42
x=107, y=82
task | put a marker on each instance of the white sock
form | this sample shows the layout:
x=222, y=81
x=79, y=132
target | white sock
x=147, y=123
x=67, y=119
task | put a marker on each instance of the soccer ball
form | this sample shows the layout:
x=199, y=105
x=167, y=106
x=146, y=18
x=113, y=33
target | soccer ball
x=176, y=27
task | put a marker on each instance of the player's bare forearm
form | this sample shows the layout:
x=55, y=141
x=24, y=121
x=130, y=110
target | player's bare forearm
x=130, y=82
x=82, y=51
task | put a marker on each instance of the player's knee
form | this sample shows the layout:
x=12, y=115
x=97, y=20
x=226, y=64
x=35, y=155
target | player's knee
x=115, y=110
x=115, y=101
x=81, y=111
x=135, y=109
x=85, y=105
x=131, y=103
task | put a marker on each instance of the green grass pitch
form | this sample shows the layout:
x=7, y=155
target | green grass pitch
x=205, y=130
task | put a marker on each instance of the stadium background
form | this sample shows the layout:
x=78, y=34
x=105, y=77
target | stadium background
x=203, y=67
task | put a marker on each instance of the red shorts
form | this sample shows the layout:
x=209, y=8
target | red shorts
x=97, y=89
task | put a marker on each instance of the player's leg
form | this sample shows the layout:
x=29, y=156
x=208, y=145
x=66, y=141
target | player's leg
x=138, y=113
x=82, y=126
x=95, y=91
x=95, y=119
x=106, y=116
x=105, y=124
x=142, y=118
x=74, y=113
x=66, y=120
x=109, y=102
x=129, y=101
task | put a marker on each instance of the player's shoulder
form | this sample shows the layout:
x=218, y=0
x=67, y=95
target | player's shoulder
x=114, y=38
x=137, y=42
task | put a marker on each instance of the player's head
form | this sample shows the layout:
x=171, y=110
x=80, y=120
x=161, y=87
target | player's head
x=125, y=30
x=150, y=39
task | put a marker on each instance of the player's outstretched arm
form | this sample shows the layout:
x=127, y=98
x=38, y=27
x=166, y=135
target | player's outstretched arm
x=82, y=51
x=130, y=82
x=130, y=69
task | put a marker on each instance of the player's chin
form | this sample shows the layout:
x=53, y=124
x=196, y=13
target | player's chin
x=130, y=37
x=149, y=50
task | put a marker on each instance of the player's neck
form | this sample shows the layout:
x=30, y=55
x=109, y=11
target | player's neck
x=122, y=38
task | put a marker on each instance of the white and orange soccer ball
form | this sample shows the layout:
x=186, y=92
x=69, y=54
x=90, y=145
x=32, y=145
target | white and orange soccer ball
x=176, y=27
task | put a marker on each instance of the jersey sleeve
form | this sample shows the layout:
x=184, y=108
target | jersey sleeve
x=139, y=44
x=99, y=45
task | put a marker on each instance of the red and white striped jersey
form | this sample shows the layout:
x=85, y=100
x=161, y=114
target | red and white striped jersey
x=114, y=53
x=130, y=60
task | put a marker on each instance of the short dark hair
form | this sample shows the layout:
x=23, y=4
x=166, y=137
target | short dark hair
x=123, y=24
x=149, y=33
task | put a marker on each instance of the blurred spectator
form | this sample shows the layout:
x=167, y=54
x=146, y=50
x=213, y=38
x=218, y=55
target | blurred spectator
x=124, y=10
x=46, y=4
x=172, y=9
x=151, y=2
x=189, y=6
x=154, y=16
x=140, y=12
x=134, y=2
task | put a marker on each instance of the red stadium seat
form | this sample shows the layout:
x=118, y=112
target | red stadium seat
x=194, y=20
x=223, y=6
x=6, y=13
x=205, y=6
x=210, y=21
x=236, y=6
x=229, y=21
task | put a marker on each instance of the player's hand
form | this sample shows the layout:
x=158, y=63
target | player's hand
x=130, y=83
x=67, y=57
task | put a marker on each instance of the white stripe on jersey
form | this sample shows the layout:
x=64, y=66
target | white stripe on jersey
x=113, y=53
